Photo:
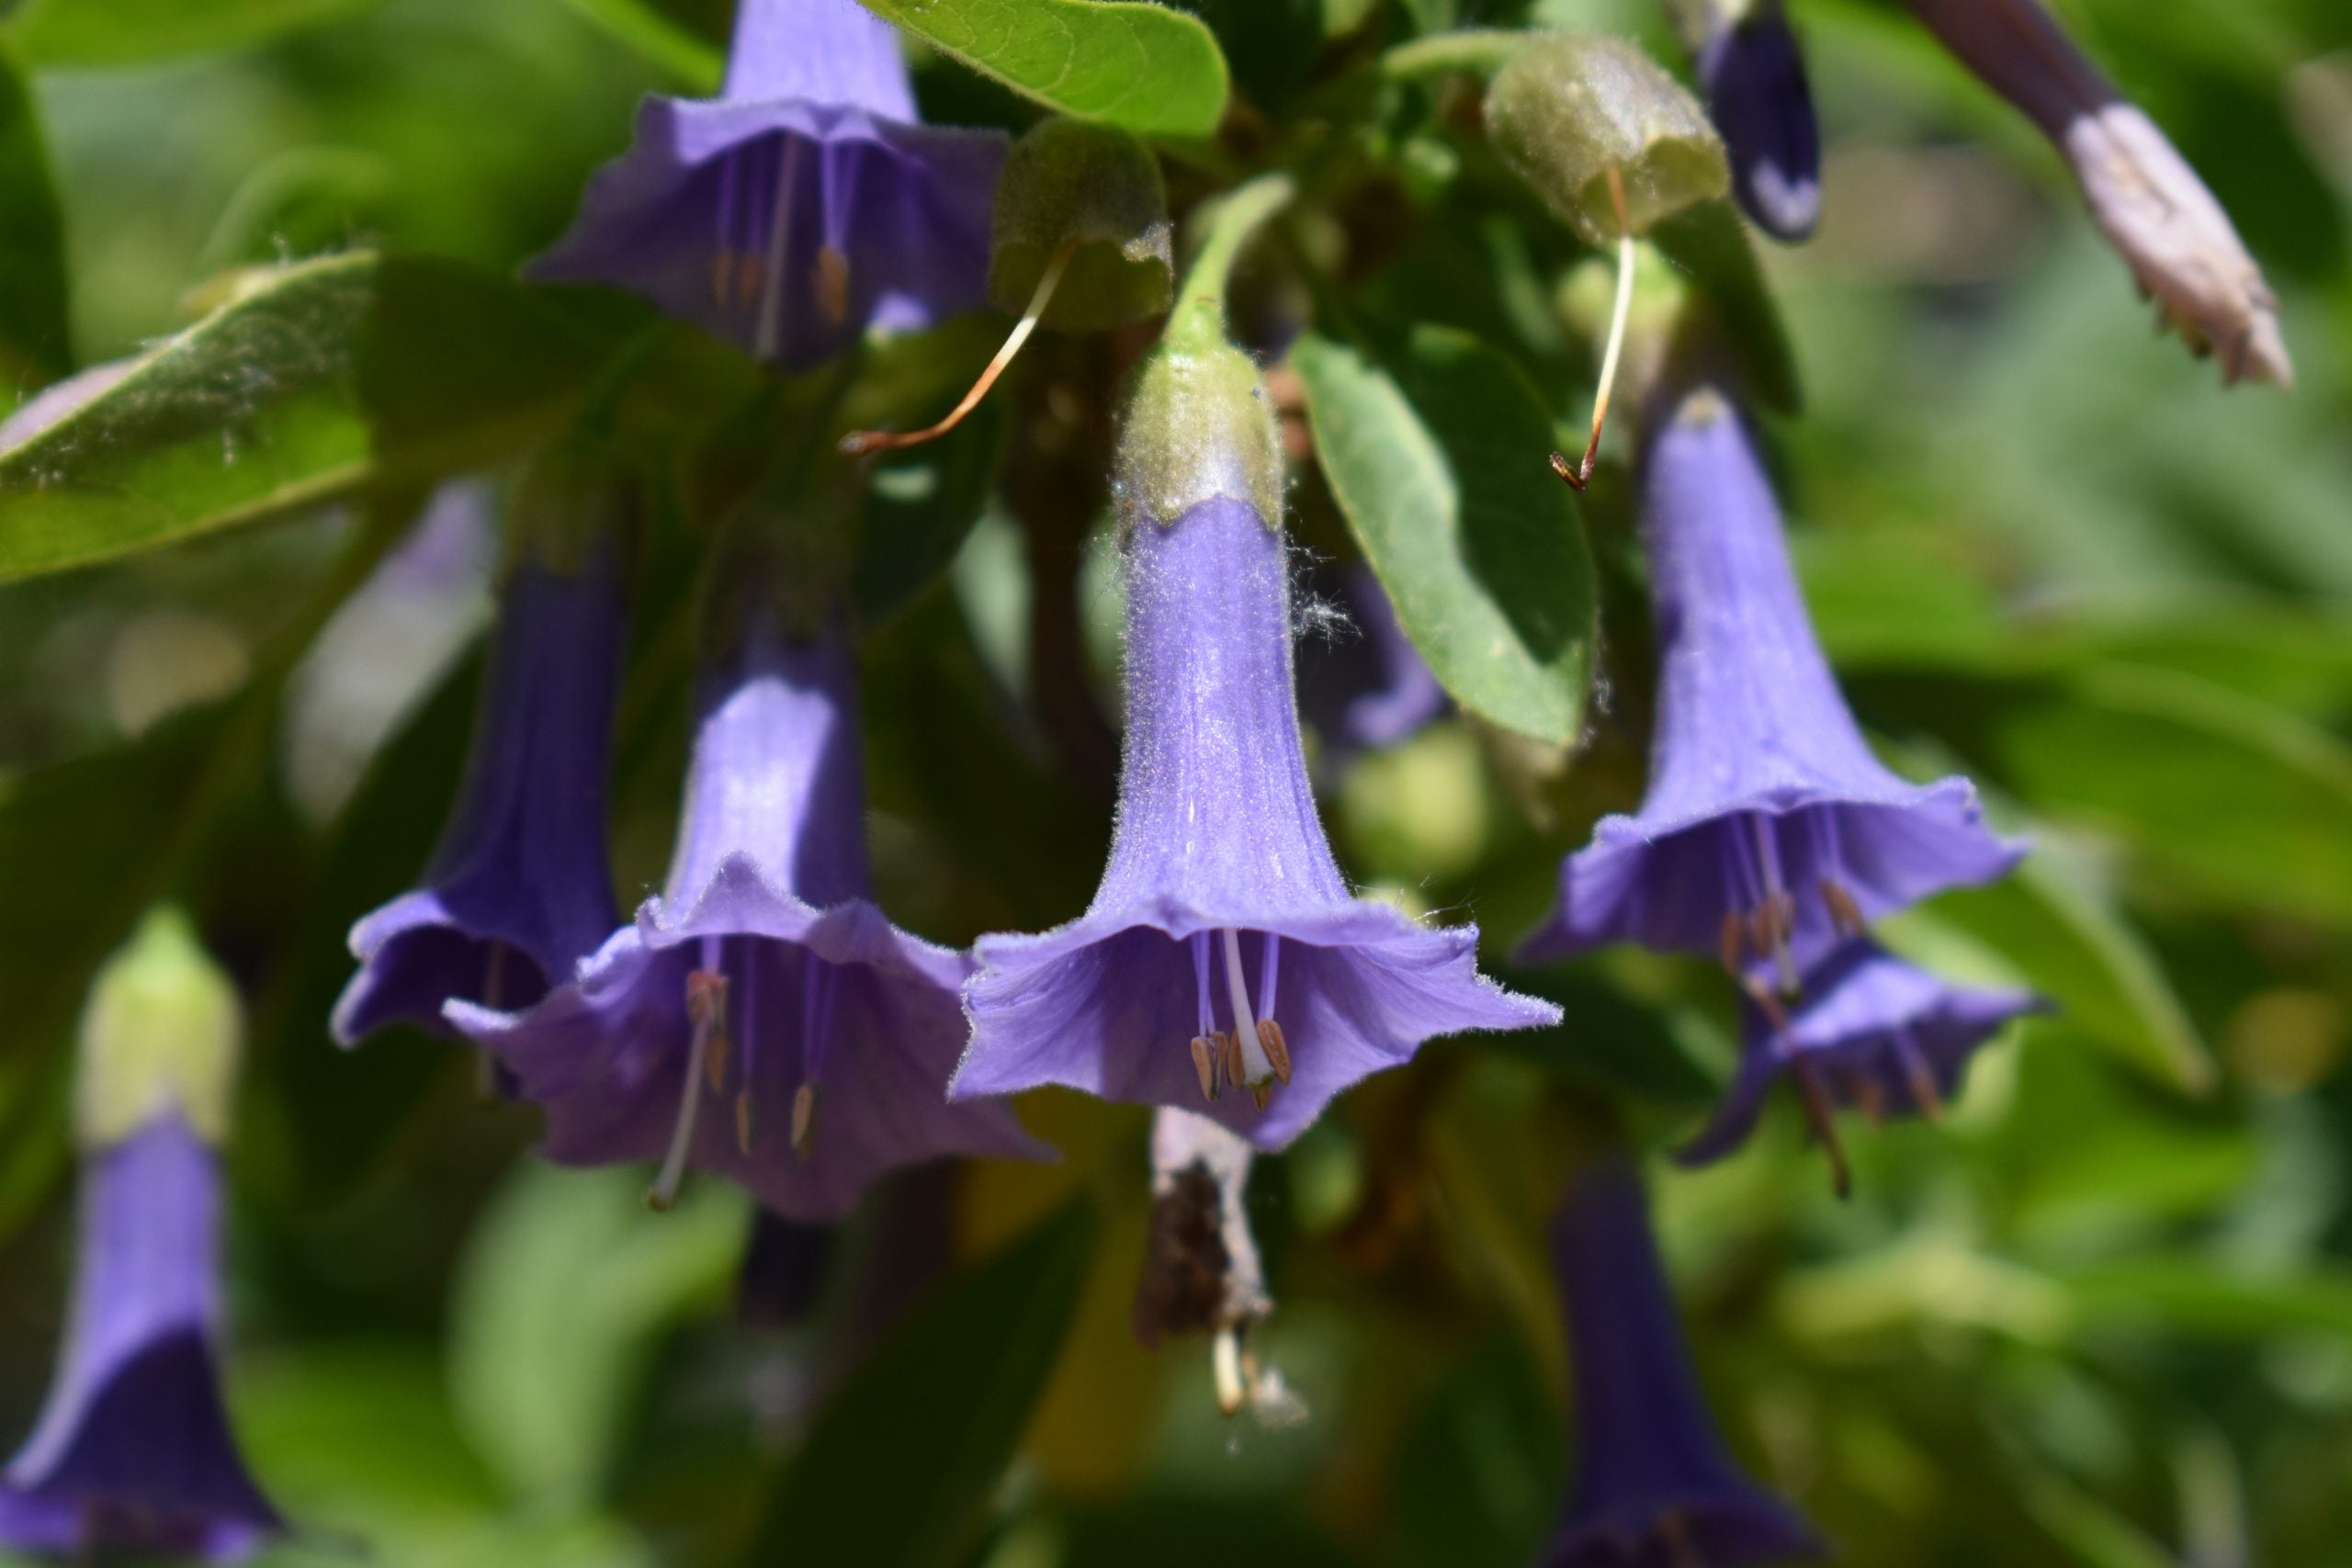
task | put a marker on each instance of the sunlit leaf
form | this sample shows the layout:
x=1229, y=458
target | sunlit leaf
x=1435, y=447
x=1153, y=70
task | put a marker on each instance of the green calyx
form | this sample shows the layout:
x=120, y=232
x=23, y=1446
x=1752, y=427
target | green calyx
x=1570, y=109
x=1093, y=194
x=161, y=1034
x=1201, y=425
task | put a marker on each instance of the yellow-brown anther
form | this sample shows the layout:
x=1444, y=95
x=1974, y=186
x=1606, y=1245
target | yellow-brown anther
x=1205, y=1062
x=1276, y=1046
x=804, y=1119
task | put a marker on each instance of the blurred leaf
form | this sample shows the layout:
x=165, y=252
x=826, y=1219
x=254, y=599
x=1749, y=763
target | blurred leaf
x=2095, y=1534
x=2057, y=927
x=35, y=334
x=1194, y=1532
x=345, y=1106
x=2208, y=1295
x=931, y=1418
x=2237, y=801
x=697, y=62
x=1709, y=243
x=1478, y=1476
x=1154, y=70
x=1435, y=451
x=318, y=380
x=568, y=1280
x=130, y=32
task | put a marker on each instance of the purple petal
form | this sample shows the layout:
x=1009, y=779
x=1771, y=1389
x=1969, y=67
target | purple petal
x=518, y=892
x=1753, y=74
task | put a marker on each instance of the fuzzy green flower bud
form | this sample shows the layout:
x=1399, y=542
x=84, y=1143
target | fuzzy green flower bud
x=1571, y=110
x=1087, y=197
x=161, y=1034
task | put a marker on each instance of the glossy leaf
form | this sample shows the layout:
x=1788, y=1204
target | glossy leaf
x=131, y=32
x=1435, y=444
x=1155, y=71
x=936, y=1410
x=316, y=381
x=35, y=343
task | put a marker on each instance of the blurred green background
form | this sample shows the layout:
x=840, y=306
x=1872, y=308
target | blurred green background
x=2103, y=1316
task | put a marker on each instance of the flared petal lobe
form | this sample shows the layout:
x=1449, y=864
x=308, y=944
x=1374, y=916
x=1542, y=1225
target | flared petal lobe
x=133, y=1450
x=805, y=205
x=1765, y=804
x=1653, y=1488
x=519, y=890
x=1878, y=1034
x=762, y=1019
x=1220, y=886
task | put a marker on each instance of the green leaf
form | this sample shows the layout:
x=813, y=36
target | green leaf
x=936, y=1410
x=568, y=1280
x=1155, y=71
x=2237, y=802
x=35, y=336
x=2057, y=927
x=1435, y=449
x=1709, y=243
x=317, y=381
x=129, y=32
x=697, y=62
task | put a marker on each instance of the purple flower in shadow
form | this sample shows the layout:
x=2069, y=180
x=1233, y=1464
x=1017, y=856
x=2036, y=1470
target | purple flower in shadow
x=1753, y=74
x=1769, y=832
x=1367, y=688
x=519, y=890
x=763, y=977
x=1223, y=949
x=133, y=1450
x=1654, y=1487
x=803, y=205
x=1872, y=1034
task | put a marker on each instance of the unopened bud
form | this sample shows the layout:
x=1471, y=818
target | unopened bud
x=1753, y=76
x=1570, y=110
x=161, y=1034
x=1094, y=192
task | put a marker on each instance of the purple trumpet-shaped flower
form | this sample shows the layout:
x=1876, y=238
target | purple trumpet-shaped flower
x=803, y=205
x=1753, y=76
x=1872, y=1033
x=763, y=978
x=1222, y=948
x=133, y=1450
x=1654, y=1487
x=518, y=891
x=1370, y=690
x=1770, y=831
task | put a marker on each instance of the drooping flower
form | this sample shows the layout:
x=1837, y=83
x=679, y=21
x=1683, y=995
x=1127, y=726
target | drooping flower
x=805, y=204
x=1872, y=1033
x=1752, y=73
x=518, y=890
x=1770, y=831
x=1653, y=1486
x=763, y=978
x=1223, y=950
x=1369, y=689
x=133, y=1450
x=2179, y=245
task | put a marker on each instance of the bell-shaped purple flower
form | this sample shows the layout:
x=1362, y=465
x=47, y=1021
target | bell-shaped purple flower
x=762, y=979
x=519, y=890
x=1653, y=1488
x=1872, y=1033
x=803, y=205
x=1770, y=831
x=1753, y=76
x=133, y=1450
x=1223, y=949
